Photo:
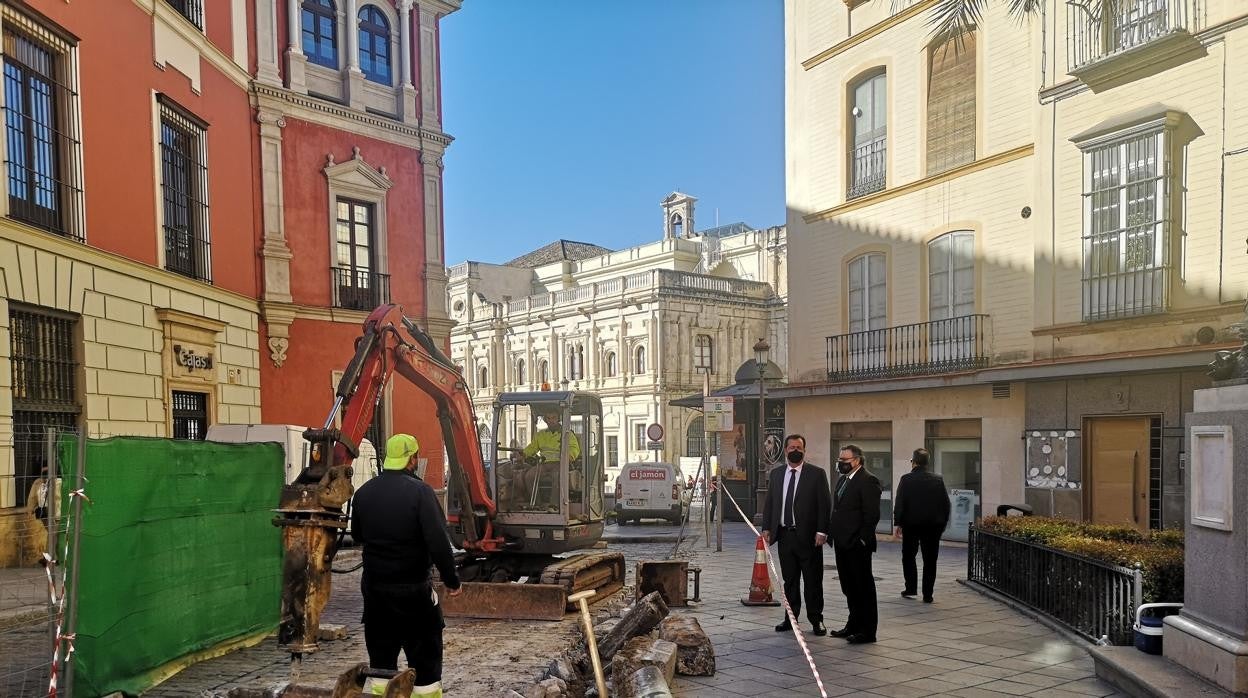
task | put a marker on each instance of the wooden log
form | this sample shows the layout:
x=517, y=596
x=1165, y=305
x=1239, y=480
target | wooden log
x=642, y=617
x=646, y=682
x=694, y=654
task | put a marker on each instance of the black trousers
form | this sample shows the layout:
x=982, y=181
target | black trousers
x=802, y=560
x=914, y=538
x=853, y=566
x=403, y=616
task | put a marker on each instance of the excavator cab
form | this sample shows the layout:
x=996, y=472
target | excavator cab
x=548, y=468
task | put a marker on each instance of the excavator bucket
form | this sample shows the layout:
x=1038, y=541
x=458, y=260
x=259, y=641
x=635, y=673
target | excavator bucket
x=602, y=571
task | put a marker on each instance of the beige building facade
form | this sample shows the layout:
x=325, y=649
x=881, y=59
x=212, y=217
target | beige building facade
x=639, y=327
x=1013, y=248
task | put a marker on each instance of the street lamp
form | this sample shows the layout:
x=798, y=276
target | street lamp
x=761, y=347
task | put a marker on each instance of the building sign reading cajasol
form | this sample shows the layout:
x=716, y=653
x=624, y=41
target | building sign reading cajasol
x=717, y=413
x=193, y=361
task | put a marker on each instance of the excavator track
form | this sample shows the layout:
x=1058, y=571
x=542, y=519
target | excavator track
x=546, y=599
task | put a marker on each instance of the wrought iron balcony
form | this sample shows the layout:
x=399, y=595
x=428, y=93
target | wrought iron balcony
x=868, y=169
x=359, y=289
x=924, y=348
x=1101, y=29
x=193, y=10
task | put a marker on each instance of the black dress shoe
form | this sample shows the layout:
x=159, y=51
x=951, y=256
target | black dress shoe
x=784, y=626
x=927, y=599
x=843, y=632
x=909, y=594
x=860, y=639
x=820, y=629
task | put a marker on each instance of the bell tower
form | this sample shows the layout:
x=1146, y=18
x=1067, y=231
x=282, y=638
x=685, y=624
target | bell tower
x=678, y=215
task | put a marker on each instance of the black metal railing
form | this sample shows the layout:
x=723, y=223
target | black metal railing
x=1100, y=29
x=193, y=10
x=359, y=289
x=868, y=168
x=1092, y=598
x=940, y=346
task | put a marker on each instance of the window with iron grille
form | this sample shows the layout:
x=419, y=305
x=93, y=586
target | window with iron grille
x=45, y=384
x=193, y=10
x=184, y=193
x=319, y=23
x=951, y=104
x=357, y=284
x=869, y=131
x=1126, y=241
x=376, y=433
x=375, y=45
x=695, y=438
x=703, y=353
x=190, y=415
x=41, y=133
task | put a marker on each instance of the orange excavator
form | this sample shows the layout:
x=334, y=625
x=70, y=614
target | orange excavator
x=515, y=521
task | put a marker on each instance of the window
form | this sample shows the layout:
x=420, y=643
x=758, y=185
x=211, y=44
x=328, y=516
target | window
x=613, y=451
x=868, y=310
x=639, y=364
x=869, y=130
x=576, y=362
x=1107, y=29
x=639, y=436
x=375, y=45
x=193, y=10
x=320, y=32
x=609, y=364
x=951, y=104
x=40, y=129
x=695, y=438
x=376, y=433
x=544, y=371
x=190, y=415
x=184, y=192
x=520, y=372
x=483, y=374
x=951, y=296
x=678, y=225
x=703, y=353
x=45, y=385
x=1126, y=245
x=357, y=285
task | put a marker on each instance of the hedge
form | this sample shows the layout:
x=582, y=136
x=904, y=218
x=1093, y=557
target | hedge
x=1158, y=553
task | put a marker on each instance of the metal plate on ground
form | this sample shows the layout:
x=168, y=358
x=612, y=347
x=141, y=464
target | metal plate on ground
x=504, y=600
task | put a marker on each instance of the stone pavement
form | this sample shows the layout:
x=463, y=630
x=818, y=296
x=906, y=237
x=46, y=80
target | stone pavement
x=964, y=644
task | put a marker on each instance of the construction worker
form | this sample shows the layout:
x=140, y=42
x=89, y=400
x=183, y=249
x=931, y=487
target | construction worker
x=542, y=452
x=401, y=525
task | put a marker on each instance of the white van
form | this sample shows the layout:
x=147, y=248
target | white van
x=650, y=491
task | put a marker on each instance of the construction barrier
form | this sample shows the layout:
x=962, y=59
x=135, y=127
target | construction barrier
x=177, y=555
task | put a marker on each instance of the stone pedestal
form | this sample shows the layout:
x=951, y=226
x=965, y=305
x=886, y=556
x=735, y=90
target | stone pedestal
x=1210, y=636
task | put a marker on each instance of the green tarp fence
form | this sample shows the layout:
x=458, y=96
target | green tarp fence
x=178, y=554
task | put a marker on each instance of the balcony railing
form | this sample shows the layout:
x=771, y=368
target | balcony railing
x=359, y=289
x=668, y=280
x=193, y=10
x=1101, y=29
x=868, y=168
x=939, y=346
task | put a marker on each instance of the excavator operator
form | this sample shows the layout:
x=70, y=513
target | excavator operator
x=540, y=455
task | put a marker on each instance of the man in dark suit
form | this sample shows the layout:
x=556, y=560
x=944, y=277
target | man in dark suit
x=795, y=517
x=855, y=513
x=920, y=514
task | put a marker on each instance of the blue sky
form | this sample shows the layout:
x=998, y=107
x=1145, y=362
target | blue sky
x=574, y=118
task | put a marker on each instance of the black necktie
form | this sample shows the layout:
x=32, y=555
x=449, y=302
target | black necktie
x=788, y=498
x=840, y=487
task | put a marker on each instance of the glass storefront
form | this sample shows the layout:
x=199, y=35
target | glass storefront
x=955, y=450
x=875, y=440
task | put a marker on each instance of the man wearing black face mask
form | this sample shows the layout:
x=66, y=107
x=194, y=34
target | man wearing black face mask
x=855, y=512
x=795, y=516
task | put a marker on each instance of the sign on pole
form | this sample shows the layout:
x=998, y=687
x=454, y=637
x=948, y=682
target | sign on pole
x=717, y=413
x=655, y=432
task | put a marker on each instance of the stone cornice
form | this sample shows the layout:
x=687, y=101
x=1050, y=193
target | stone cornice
x=315, y=110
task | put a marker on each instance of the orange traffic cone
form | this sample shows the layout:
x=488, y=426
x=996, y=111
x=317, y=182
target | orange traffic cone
x=760, y=581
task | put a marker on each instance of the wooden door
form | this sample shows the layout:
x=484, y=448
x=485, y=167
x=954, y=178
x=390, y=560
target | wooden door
x=1117, y=470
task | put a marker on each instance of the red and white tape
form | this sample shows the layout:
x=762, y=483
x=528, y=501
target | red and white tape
x=788, y=611
x=58, y=600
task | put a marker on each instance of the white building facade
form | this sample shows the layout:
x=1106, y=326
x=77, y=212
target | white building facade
x=638, y=327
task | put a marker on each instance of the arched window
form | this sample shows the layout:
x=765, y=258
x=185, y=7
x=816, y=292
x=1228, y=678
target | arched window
x=678, y=225
x=576, y=362
x=543, y=371
x=375, y=45
x=484, y=376
x=703, y=353
x=609, y=362
x=320, y=32
x=868, y=118
x=695, y=438
x=520, y=372
x=640, y=364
